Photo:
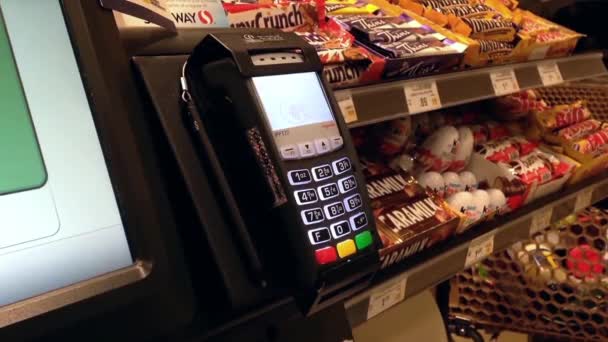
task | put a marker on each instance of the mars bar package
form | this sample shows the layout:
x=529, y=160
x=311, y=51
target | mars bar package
x=408, y=219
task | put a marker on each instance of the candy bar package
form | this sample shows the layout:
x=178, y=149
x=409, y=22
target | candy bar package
x=350, y=8
x=408, y=219
x=573, y=132
x=561, y=116
x=346, y=63
x=521, y=177
x=287, y=16
x=410, y=49
x=589, y=147
x=544, y=38
x=486, y=29
x=519, y=105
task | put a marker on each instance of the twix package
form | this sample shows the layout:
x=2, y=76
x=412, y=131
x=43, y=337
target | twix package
x=408, y=219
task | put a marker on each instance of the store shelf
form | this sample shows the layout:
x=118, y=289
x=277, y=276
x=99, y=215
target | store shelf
x=429, y=270
x=386, y=101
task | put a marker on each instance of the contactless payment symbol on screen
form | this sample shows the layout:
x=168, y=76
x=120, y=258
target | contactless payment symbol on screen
x=21, y=164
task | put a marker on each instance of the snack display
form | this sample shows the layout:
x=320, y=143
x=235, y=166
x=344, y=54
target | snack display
x=477, y=167
x=494, y=31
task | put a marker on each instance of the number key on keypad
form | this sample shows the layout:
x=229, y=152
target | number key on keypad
x=358, y=221
x=341, y=165
x=306, y=196
x=339, y=229
x=299, y=177
x=334, y=210
x=321, y=172
x=347, y=184
x=353, y=202
x=310, y=216
x=328, y=191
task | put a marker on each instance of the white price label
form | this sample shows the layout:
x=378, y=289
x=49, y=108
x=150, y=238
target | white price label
x=504, y=82
x=347, y=106
x=386, y=297
x=541, y=220
x=550, y=74
x=583, y=200
x=422, y=96
x=479, y=249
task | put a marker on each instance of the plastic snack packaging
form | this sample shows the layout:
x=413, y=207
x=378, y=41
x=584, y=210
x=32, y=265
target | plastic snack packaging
x=498, y=202
x=468, y=180
x=345, y=8
x=395, y=136
x=499, y=151
x=437, y=151
x=496, y=131
x=287, y=16
x=464, y=149
x=481, y=200
x=562, y=115
x=452, y=182
x=480, y=134
x=591, y=143
x=573, y=132
x=515, y=106
x=486, y=29
x=432, y=181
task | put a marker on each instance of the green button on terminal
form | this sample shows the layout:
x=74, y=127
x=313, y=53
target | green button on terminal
x=364, y=239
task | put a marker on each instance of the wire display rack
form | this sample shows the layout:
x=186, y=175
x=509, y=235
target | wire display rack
x=556, y=282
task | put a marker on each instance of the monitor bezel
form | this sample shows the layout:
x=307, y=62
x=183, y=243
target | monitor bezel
x=155, y=292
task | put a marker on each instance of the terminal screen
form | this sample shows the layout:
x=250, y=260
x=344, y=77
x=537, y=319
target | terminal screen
x=59, y=219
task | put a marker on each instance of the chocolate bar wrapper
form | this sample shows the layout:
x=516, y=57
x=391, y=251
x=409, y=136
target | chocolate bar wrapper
x=366, y=23
x=412, y=48
x=516, y=106
x=287, y=16
x=562, y=116
x=343, y=8
x=443, y=3
x=407, y=217
x=572, y=133
x=591, y=143
x=486, y=29
x=500, y=151
x=392, y=35
x=470, y=11
x=354, y=73
x=544, y=38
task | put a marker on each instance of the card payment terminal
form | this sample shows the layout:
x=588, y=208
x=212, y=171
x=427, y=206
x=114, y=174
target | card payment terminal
x=267, y=124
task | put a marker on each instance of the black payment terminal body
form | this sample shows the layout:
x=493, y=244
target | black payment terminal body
x=258, y=101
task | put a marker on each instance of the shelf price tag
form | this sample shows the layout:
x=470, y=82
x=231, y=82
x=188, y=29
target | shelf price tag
x=550, y=74
x=479, y=249
x=504, y=82
x=347, y=106
x=541, y=220
x=386, y=297
x=422, y=96
x=583, y=200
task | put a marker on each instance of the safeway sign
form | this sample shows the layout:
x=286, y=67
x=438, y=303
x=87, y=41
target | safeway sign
x=185, y=14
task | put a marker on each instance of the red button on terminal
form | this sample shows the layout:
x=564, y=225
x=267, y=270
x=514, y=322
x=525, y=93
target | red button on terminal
x=326, y=255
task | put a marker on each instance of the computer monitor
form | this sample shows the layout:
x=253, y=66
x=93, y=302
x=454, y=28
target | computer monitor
x=83, y=225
